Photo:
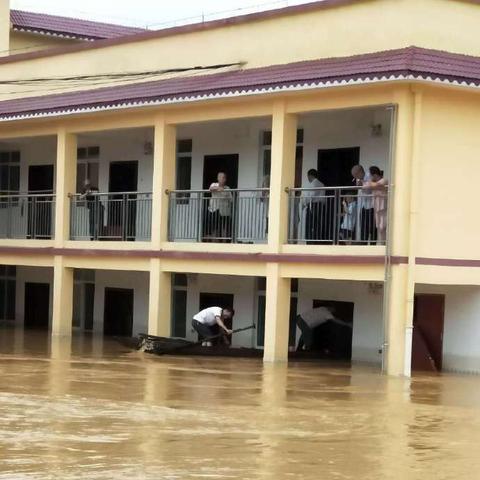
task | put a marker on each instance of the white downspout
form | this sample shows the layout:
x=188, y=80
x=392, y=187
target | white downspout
x=413, y=214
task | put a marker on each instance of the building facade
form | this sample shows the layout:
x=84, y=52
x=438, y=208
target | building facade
x=148, y=119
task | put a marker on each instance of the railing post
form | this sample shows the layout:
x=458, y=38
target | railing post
x=9, y=218
x=201, y=201
x=34, y=217
x=234, y=226
x=336, y=217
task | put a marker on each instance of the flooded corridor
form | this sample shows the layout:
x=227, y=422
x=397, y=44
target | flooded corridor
x=97, y=410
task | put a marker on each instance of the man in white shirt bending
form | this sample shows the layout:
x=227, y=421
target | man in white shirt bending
x=314, y=202
x=310, y=320
x=207, y=322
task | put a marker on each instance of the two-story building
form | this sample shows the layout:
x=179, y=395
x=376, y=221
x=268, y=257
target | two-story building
x=110, y=141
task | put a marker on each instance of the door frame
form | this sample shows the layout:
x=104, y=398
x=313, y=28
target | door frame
x=117, y=289
x=25, y=302
x=439, y=361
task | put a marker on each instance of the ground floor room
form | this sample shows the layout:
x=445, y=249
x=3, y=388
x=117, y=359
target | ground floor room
x=115, y=303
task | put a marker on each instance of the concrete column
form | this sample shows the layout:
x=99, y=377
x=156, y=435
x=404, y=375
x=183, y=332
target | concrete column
x=4, y=27
x=398, y=308
x=160, y=300
x=62, y=298
x=65, y=183
x=164, y=163
x=277, y=315
x=284, y=138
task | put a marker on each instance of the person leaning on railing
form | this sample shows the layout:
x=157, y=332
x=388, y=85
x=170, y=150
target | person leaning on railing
x=95, y=209
x=219, y=218
x=379, y=186
x=368, y=232
x=314, y=203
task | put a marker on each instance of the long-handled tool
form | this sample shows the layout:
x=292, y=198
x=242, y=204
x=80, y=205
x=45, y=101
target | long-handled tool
x=164, y=345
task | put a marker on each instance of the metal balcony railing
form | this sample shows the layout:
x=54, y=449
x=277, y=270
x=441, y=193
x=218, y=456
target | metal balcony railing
x=337, y=216
x=122, y=216
x=238, y=216
x=27, y=216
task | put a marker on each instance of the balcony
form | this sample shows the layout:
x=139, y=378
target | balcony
x=27, y=216
x=240, y=217
x=119, y=216
x=336, y=216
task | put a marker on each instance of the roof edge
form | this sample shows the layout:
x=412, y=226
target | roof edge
x=183, y=29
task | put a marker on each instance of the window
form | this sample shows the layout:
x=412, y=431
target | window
x=266, y=150
x=7, y=292
x=184, y=168
x=9, y=172
x=87, y=166
x=179, y=305
x=84, y=153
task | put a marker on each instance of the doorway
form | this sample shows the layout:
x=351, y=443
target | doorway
x=118, y=312
x=224, y=300
x=427, y=342
x=333, y=340
x=335, y=165
x=212, y=164
x=122, y=208
x=40, y=182
x=37, y=305
x=335, y=170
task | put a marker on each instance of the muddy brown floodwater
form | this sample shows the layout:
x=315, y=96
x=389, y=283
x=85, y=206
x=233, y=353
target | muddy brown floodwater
x=96, y=410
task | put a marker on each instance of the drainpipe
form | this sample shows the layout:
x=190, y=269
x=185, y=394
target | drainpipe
x=413, y=221
x=388, y=243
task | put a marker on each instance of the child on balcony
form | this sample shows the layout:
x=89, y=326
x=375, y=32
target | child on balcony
x=349, y=217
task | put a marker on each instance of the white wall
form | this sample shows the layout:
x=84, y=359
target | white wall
x=367, y=313
x=122, y=145
x=33, y=151
x=461, y=339
x=346, y=128
x=240, y=137
x=333, y=129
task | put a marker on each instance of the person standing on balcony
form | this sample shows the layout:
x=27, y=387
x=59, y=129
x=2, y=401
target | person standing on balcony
x=95, y=209
x=368, y=232
x=219, y=218
x=209, y=321
x=379, y=186
x=310, y=320
x=314, y=203
x=349, y=218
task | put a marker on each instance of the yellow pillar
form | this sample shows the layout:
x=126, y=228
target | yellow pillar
x=160, y=300
x=164, y=162
x=277, y=309
x=400, y=283
x=62, y=298
x=65, y=183
x=284, y=138
x=277, y=315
